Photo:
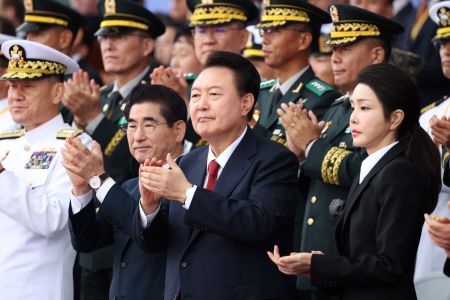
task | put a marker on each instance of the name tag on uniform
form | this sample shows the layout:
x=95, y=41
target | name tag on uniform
x=41, y=159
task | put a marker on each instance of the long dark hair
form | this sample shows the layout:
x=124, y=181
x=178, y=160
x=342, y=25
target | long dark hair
x=396, y=90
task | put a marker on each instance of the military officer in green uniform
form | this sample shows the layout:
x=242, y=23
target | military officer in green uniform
x=330, y=161
x=217, y=25
x=289, y=29
x=126, y=37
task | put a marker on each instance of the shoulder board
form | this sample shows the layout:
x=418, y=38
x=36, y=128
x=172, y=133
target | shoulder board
x=12, y=134
x=318, y=87
x=190, y=76
x=104, y=88
x=65, y=133
x=433, y=104
x=267, y=84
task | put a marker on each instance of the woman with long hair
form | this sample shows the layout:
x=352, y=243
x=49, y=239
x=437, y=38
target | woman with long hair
x=379, y=229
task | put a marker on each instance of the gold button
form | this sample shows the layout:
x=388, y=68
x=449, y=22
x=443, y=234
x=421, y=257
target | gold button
x=313, y=199
x=26, y=148
x=310, y=221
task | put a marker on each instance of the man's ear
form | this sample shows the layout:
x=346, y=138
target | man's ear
x=377, y=55
x=66, y=39
x=180, y=130
x=57, y=92
x=243, y=38
x=305, y=41
x=247, y=103
x=149, y=46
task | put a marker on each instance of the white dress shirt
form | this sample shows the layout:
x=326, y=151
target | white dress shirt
x=36, y=255
x=371, y=160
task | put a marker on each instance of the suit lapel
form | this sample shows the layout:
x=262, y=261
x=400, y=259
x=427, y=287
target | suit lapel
x=293, y=95
x=236, y=167
x=356, y=190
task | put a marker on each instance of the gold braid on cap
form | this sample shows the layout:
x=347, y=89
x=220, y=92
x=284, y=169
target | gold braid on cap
x=444, y=22
x=278, y=16
x=21, y=68
x=217, y=14
x=348, y=32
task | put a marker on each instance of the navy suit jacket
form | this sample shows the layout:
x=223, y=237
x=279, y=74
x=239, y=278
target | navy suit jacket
x=137, y=274
x=217, y=248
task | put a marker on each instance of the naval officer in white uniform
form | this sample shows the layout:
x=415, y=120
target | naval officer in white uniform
x=36, y=257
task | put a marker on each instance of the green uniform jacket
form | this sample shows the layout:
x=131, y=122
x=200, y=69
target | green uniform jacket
x=327, y=173
x=315, y=94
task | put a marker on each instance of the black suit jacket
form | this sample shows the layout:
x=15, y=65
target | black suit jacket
x=447, y=267
x=137, y=274
x=217, y=248
x=378, y=234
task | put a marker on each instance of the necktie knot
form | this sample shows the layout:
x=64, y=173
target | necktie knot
x=213, y=170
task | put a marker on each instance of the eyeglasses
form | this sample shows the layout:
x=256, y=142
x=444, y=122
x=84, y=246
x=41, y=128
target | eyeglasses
x=269, y=32
x=118, y=36
x=215, y=30
x=147, y=127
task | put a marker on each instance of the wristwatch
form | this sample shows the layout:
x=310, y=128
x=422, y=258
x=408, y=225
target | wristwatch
x=96, y=181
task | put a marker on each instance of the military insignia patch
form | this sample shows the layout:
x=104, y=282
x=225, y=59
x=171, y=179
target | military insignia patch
x=334, y=14
x=207, y=1
x=110, y=7
x=41, y=159
x=28, y=5
x=325, y=128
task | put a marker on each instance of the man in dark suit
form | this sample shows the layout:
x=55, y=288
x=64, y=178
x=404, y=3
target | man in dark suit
x=156, y=124
x=289, y=30
x=218, y=224
x=126, y=36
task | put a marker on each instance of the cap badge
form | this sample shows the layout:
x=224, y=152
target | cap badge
x=28, y=5
x=334, y=14
x=207, y=1
x=266, y=2
x=110, y=7
x=17, y=54
x=444, y=16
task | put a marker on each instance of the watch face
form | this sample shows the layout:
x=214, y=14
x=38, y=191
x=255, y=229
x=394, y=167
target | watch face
x=95, y=182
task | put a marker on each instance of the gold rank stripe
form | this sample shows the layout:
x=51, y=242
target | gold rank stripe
x=12, y=134
x=65, y=133
x=46, y=20
x=114, y=142
x=123, y=23
x=253, y=52
x=441, y=32
x=285, y=18
x=331, y=164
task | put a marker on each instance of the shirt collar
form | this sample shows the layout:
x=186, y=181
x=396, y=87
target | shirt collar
x=129, y=86
x=223, y=158
x=43, y=131
x=371, y=160
x=284, y=88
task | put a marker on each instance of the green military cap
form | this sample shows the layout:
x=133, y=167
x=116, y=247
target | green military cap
x=440, y=14
x=320, y=47
x=42, y=14
x=253, y=48
x=214, y=12
x=351, y=24
x=30, y=60
x=122, y=16
x=283, y=12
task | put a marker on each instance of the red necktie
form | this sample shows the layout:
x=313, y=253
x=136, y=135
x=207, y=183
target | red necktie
x=213, y=170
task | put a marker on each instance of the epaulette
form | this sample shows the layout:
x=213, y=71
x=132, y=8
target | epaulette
x=432, y=105
x=267, y=84
x=318, y=87
x=190, y=76
x=12, y=134
x=340, y=99
x=65, y=133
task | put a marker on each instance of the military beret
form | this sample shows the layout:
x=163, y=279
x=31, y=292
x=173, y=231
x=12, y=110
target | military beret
x=42, y=14
x=351, y=24
x=122, y=16
x=214, y=12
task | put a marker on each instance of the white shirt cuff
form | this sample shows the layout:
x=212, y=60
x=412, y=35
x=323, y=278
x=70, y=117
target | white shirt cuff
x=90, y=128
x=80, y=202
x=189, y=195
x=146, y=220
x=309, y=147
x=104, y=189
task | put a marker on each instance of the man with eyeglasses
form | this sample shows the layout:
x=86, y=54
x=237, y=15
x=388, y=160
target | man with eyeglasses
x=217, y=25
x=289, y=29
x=126, y=36
x=156, y=124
